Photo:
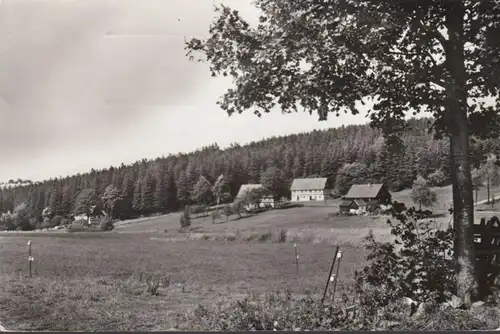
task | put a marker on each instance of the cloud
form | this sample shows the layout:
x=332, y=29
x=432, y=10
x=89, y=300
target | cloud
x=90, y=83
x=78, y=69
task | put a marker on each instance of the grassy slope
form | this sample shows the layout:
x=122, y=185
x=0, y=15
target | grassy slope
x=86, y=282
x=90, y=281
x=310, y=217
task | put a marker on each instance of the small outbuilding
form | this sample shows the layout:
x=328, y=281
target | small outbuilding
x=352, y=206
x=369, y=193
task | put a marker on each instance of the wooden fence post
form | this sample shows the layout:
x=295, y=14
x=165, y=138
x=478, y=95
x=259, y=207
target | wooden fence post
x=30, y=258
x=330, y=274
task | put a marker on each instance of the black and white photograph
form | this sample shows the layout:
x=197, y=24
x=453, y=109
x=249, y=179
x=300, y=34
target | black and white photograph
x=249, y=165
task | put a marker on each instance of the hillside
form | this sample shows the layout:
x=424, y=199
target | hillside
x=345, y=155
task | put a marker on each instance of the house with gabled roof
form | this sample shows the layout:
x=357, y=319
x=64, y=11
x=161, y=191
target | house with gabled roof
x=309, y=189
x=352, y=205
x=369, y=193
x=265, y=200
x=245, y=188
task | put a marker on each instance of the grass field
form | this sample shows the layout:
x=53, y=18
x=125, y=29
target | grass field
x=95, y=281
x=91, y=282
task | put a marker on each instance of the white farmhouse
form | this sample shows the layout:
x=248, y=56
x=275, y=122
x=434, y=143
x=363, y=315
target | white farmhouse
x=312, y=189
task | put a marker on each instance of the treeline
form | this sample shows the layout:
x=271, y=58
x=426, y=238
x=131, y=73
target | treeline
x=345, y=155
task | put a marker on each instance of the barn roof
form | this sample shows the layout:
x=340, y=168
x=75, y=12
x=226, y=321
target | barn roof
x=248, y=187
x=345, y=203
x=317, y=183
x=364, y=190
x=360, y=202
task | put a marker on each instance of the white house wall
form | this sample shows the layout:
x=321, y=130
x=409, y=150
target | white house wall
x=308, y=195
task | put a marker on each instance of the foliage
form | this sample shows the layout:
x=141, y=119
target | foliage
x=491, y=173
x=86, y=201
x=254, y=196
x=327, y=57
x=273, y=179
x=437, y=178
x=276, y=311
x=382, y=61
x=55, y=221
x=215, y=214
x=111, y=199
x=198, y=210
x=421, y=193
x=221, y=189
x=185, y=218
x=238, y=207
x=227, y=211
x=477, y=181
x=283, y=311
x=106, y=224
x=78, y=226
x=332, y=148
x=7, y=222
x=418, y=264
x=202, y=191
x=21, y=218
x=348, y=175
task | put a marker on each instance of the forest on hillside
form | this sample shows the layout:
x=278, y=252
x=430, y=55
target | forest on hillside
x=346, y=155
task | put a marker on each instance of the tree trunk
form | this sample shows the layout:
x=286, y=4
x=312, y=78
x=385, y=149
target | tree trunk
x=488, y=188
x=493, y=199
x=457, y=123
x=476, y=196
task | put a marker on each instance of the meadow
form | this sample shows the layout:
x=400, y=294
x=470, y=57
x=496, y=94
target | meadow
x=98, y=281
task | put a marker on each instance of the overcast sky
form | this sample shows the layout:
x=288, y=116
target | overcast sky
x=93, y=83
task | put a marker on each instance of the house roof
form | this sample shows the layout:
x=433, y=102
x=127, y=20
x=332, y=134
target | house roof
x=317, y=183
x=248, y=187
x=364, y=190
x=345, y=203
x=360, y=202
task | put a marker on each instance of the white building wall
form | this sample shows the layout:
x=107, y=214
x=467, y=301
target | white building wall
x=308, y=195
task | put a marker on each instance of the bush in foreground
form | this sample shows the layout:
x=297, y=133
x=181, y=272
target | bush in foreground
x=418, y=264
x=282, y=311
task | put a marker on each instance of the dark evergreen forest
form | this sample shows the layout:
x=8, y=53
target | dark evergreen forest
x=345, y=155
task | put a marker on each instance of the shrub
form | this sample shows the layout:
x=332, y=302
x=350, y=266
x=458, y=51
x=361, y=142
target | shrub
x=153, y=282
x=78, y=227
x=264, y=237
x=282, y=311
x=281, y=236
x=56, y=221
x=106, y=224
x=421, y=269
x=65, y=221
x=185, y=219
x=276, y=311
x=198, y=210
x=227, y=211
x=238, y=206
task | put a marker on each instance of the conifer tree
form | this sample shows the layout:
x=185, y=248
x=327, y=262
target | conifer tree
x=55, y=201
x=182, y=189
x=147, y=194
x=298, y=164
x=137, y=198
x=127, y=193
x=160, y=196
x=202, y=192
x=170, y=191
